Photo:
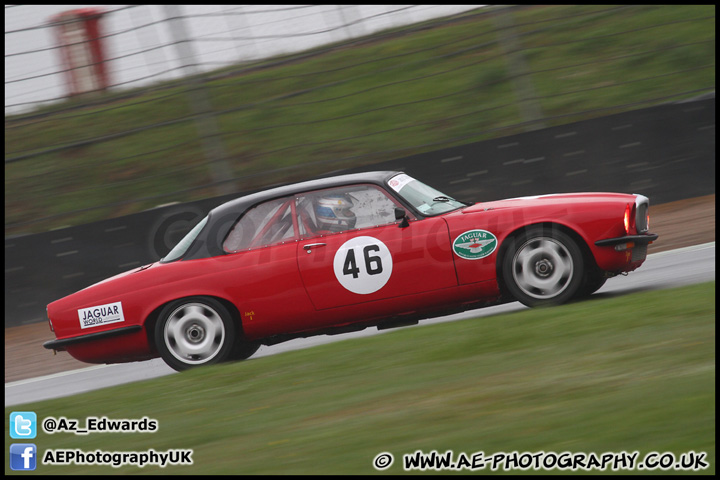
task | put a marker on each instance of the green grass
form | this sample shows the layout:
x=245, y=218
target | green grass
x=446, y=84
x=628, y=373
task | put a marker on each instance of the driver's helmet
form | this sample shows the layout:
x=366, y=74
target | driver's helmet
x=332, y=212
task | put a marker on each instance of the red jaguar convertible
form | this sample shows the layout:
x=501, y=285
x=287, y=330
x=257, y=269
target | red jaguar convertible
x=345, y=253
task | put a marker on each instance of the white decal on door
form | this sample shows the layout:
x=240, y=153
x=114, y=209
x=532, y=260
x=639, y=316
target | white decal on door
x=363, y=265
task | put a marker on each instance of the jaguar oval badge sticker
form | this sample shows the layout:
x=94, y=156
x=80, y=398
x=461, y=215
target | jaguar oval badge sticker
x=475, y=244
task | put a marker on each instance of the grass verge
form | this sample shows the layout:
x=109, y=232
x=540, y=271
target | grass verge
x=630, y=373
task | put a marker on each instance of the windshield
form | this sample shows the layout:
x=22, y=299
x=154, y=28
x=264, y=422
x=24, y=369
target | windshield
x=182, y=246
x=425, y=199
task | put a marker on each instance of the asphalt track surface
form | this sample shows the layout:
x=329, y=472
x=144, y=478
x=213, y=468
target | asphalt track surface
x=674, y=268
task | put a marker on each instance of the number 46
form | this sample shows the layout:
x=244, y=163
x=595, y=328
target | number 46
x=373, y=263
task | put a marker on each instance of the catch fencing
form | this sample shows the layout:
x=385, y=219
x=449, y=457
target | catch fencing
x=205, y=101
x=666, y=153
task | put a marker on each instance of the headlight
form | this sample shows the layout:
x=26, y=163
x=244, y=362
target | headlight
x=642, y=213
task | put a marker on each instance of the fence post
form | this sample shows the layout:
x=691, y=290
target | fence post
x=530, y=109
x=239, y=23
x=347, y=23
x=205, y=120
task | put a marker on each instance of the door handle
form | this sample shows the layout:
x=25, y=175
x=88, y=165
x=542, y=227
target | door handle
x=310, y=246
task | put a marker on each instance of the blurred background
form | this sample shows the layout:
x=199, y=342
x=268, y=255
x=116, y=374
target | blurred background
x=125, y=124
x=111, y=110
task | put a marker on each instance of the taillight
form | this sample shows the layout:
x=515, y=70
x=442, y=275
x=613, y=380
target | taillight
x=626, y=220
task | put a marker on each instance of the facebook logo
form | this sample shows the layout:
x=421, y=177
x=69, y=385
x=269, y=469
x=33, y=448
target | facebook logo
x=23, y=456
x=23, y=425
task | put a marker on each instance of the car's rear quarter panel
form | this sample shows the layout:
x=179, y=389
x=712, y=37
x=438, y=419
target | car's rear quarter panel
x=264, y=286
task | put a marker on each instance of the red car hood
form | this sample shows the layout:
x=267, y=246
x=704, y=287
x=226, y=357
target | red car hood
x=550, y=199
x=120, y=275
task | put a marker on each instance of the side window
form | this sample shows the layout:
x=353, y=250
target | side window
x=341, y=209
x=264, y=224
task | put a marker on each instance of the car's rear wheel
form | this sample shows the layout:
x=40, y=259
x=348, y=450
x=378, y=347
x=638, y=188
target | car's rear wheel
x=244, y=350
x=195, y=331
x=543, y=266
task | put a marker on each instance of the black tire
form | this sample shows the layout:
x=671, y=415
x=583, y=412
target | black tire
x=195, y=331
x=244, y=350
x=543, y=266
x=594, y=280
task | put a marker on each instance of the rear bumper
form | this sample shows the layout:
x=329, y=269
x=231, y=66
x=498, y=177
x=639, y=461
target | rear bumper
x=61, y=344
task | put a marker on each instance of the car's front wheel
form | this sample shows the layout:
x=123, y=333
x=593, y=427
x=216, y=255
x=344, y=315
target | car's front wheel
x=594, y=280
x=543, y=266
x=195, y=331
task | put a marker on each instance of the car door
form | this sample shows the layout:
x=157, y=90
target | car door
x=352, y=249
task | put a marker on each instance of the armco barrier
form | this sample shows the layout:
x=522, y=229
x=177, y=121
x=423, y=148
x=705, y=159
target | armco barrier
x=666, y=153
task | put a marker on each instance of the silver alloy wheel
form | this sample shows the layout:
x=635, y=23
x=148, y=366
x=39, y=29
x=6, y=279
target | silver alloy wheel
x=194, y=333
x=542, y=268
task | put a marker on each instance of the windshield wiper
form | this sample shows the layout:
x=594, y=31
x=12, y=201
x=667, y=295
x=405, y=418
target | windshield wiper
x=445, y=199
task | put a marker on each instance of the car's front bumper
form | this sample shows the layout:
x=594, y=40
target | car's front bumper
x=644, y=239
x=627, y=253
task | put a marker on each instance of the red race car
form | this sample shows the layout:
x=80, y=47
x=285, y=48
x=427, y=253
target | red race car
x=344, y=253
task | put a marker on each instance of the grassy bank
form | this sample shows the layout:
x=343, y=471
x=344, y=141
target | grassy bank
x=388, y=97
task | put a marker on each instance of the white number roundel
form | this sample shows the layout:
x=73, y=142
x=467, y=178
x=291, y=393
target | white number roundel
x=363, y=265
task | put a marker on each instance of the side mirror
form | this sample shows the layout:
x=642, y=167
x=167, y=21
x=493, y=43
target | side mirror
x=401, y=215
